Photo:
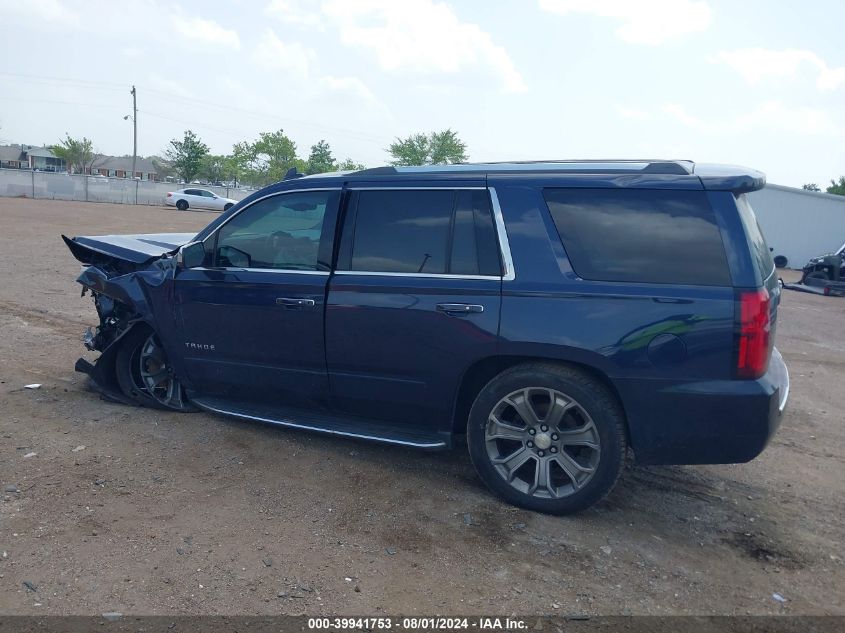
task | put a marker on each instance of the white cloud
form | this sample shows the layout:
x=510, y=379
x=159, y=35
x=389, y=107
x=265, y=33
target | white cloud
x=425, y=36
x=42, y=11
x=271, y=53
x=632, y=113
x=756, y=64
x=352, y=86
x=650, y=22
x=679, y=113
x=205, y=31
x=776, y=116
x=294, y=13
x=169, y=86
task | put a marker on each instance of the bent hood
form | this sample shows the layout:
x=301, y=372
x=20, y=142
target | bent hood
x=135, y=249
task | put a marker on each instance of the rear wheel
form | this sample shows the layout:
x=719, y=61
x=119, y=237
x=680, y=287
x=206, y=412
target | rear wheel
x=144, y=374
x=182, y=205
x=547, y=437
x=228, y=206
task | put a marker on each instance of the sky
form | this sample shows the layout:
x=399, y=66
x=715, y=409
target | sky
x=756, y=83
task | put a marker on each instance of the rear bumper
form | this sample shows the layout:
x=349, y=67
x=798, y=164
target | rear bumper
x=711, y=422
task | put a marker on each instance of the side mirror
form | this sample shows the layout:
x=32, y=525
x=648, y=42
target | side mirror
x=191, y=255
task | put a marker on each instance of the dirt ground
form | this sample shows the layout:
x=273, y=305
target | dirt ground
x=143, y=512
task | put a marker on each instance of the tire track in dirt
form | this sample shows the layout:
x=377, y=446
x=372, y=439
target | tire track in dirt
x=38, y=316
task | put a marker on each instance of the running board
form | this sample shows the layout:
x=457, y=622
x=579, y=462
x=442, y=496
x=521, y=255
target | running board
x=322, y=422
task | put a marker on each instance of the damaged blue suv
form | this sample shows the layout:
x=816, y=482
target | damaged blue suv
x=555, y=314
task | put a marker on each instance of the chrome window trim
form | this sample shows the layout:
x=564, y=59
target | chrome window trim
x=417, y=188
x=501, y=235
x=509, y=273
x=372, y=273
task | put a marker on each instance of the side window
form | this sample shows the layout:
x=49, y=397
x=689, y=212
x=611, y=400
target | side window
x=402, y=231
x=280, y=232
x=420, y=231
x=640, y=235
x=192, y=192
x=759, y=248
x=475, y=250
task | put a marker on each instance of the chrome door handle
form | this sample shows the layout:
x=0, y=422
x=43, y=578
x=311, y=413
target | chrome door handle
x=459, y=308
x=295, y=302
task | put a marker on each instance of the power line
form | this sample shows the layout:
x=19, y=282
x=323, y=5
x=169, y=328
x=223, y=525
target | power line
x=203, y=103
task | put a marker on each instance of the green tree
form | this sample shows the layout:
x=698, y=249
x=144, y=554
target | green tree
x=410, y=151
x=267, y=159
x=187, y=155
x=78, y=154
x=837, y=187
x=240, y=163
x=163, y=167
x=810, y=186
x=320, y=160
x=348, y=164
x=214, y=168
x=436, y=148
x=274, y=154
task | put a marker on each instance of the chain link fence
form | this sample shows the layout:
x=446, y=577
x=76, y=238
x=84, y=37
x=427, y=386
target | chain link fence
x=20, y=183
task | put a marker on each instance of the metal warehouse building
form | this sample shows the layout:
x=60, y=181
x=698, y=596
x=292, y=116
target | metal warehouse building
x=800, y=224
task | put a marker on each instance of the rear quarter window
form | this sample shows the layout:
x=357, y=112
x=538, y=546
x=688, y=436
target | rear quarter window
x=759, y=248
x=640, y=235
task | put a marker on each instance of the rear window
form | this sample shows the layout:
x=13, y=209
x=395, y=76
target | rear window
x=759, y=249
x=640, y=235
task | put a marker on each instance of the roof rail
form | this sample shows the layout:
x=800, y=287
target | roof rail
x=666, y=167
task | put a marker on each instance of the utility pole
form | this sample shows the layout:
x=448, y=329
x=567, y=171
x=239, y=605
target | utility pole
x=134, y=131
x=134, y=140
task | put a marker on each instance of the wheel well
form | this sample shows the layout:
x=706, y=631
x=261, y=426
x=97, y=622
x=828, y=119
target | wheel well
x=486, y=369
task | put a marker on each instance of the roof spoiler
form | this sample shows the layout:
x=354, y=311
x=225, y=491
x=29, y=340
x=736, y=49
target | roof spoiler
x=716, y=177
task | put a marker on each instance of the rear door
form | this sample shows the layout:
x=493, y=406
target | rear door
x=414, y=301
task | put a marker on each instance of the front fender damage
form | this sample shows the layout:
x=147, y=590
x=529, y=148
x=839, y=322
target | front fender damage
x=122, y=303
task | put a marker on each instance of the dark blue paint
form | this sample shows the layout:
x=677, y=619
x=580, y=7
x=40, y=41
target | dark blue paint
x=378, y=348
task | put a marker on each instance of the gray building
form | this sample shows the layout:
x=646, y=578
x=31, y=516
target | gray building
x=42, y=159
x=30, y=157
x=799, y=224
x=121, y=167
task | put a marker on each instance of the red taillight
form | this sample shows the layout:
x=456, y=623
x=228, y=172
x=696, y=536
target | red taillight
x=169, y=194
x=754, y=349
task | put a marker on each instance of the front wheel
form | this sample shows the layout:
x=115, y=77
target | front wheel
x=547, y=437
x=228, y=206
x=144, y=373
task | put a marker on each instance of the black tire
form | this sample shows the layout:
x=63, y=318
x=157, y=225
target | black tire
x=592, y=398
x=781, y=261
x=228, y=206
x=182, y=205
x=817, y=274
x=128, y=374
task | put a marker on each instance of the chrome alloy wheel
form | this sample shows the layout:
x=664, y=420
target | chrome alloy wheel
x=542, y=442
x=155, y=377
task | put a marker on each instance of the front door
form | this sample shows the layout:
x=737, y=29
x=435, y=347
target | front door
x=414, y=302
x=252, y=317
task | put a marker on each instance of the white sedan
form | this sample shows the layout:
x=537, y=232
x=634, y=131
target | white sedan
x=184, y=199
